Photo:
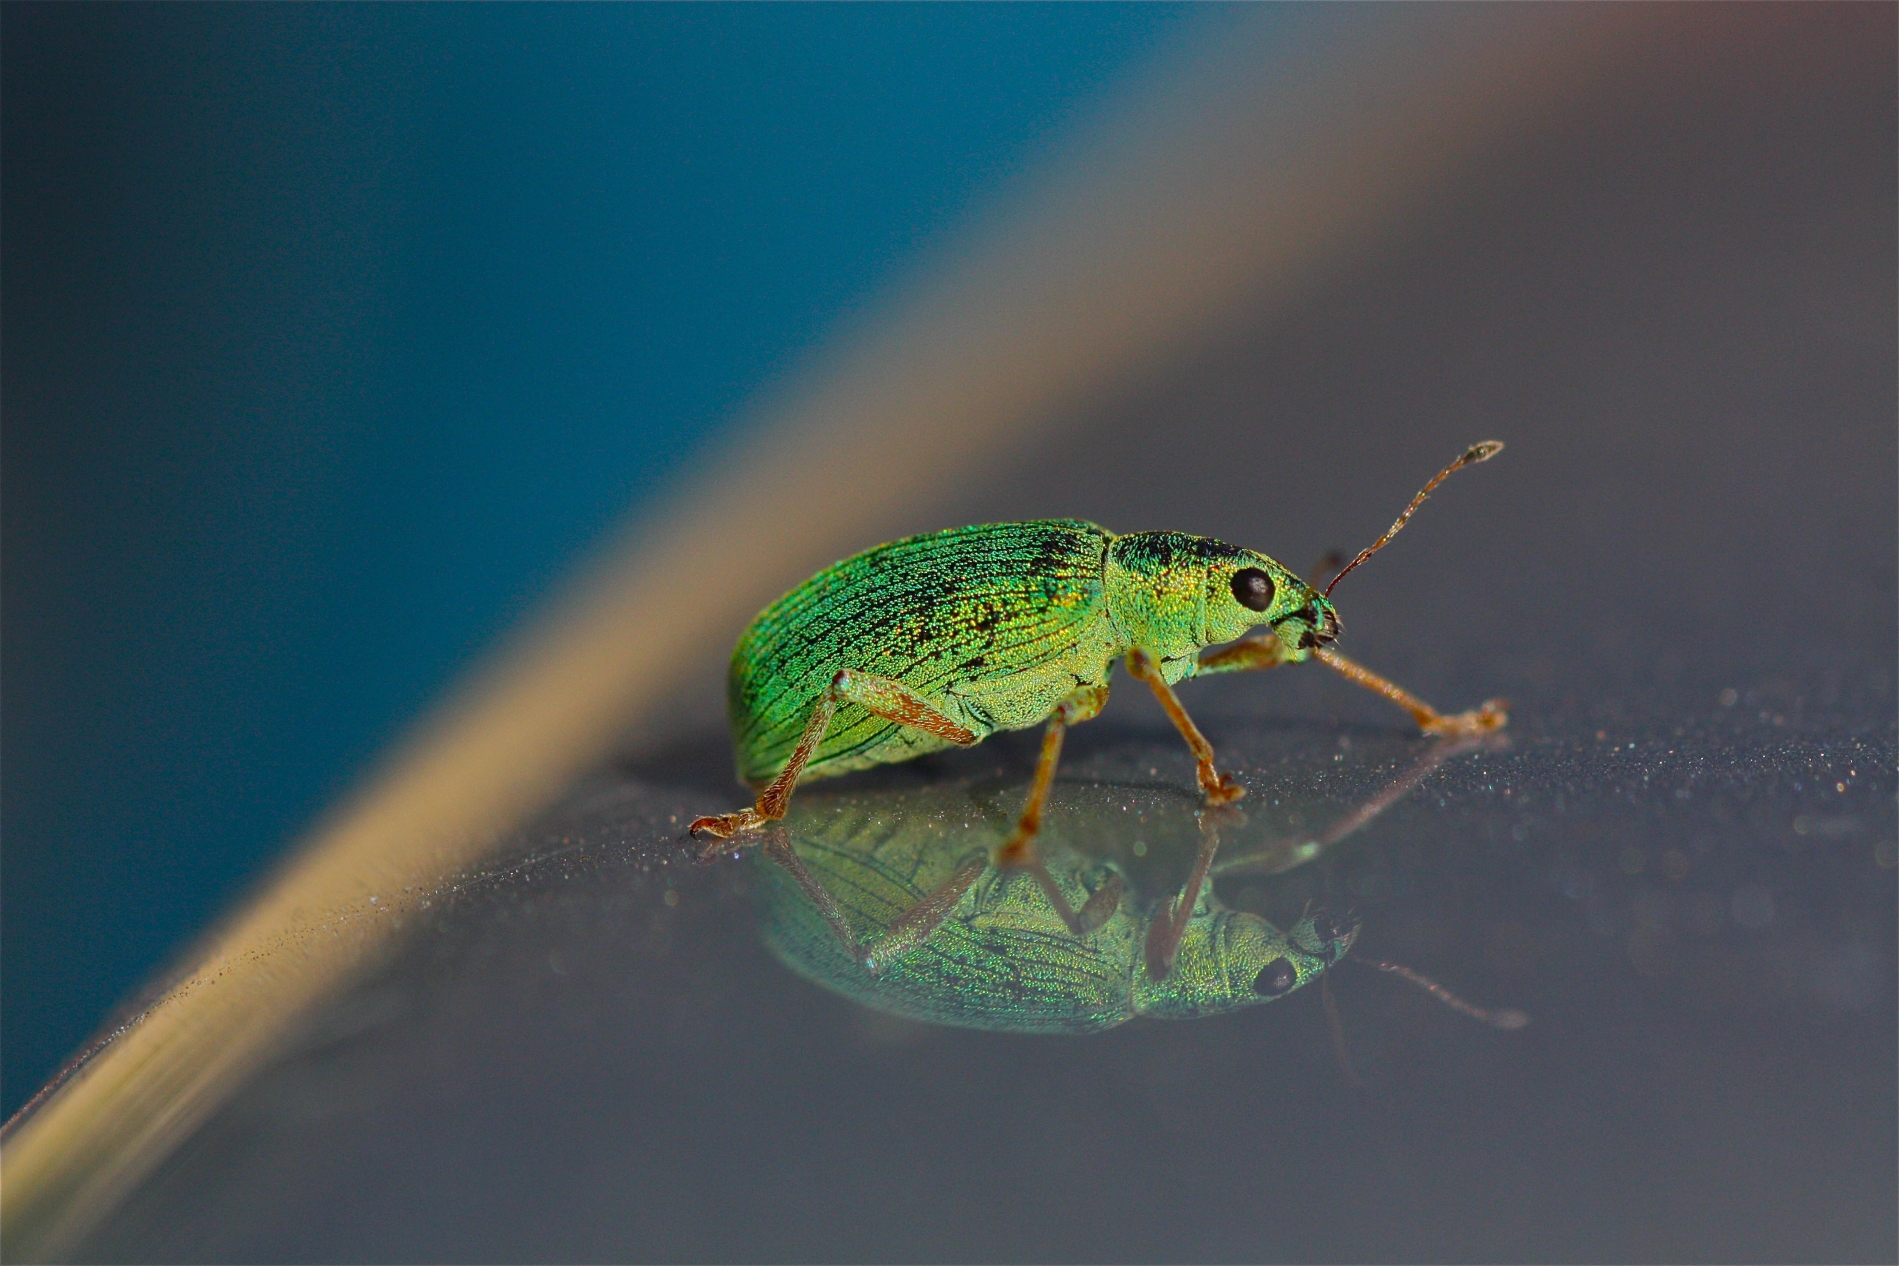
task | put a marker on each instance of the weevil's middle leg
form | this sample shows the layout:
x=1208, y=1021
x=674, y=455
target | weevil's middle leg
x=1219, y=788
x=1247, y=655
x=891, y=700
x=1480, y=720
x=1019, y=849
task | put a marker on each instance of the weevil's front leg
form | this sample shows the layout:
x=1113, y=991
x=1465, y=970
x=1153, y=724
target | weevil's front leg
x=1481, y=720
x=1219, y=788
x=891, y=700
x=1263, y=651
x=1019, y=849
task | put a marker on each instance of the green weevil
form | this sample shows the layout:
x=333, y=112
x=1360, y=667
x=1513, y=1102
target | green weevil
x=942, y=640
x=885, y=899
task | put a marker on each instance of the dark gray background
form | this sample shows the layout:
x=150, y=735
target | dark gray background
x=1678, y=310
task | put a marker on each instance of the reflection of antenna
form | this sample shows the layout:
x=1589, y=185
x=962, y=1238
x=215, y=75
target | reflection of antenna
x=1503, y=1019
x=1475, y=453
x=1280, y=855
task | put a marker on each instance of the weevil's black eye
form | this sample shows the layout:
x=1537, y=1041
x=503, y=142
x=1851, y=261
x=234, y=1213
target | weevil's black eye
x=1275, y=978
x=1253, y=588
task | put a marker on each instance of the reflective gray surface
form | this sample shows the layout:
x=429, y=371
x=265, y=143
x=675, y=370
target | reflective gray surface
x=588, y=1054
x=1679, y=312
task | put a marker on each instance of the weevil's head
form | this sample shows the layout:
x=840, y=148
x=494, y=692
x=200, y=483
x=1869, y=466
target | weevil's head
x=1230, y=959
x=1174, y=594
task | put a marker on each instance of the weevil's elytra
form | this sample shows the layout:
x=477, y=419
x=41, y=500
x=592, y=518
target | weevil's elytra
x=942, y=640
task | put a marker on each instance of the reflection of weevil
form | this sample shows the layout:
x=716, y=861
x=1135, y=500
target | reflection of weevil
x=893, y=914
x=942, y=640
x=881, y=901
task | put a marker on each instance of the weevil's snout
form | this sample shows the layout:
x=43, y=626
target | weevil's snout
x=1326, y=934
x=1311, y=626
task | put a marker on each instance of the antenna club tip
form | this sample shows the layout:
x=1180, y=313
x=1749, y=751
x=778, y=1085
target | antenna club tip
x=1482, y=452
x=1509, y=1020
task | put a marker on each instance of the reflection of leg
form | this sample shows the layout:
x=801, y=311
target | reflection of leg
x=905, y=933
x=915, y=925
x=1019, y=849
x=779, y=849
x=1167, y=927
x=1491, y=716
x=891, y=700
x=1218, y=787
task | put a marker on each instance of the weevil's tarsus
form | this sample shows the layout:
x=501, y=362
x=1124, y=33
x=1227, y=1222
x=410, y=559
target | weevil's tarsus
x=1505, y=1018
x=1169, y=925
x=1475, y=453
x=1492, y=715
x=891, y=700
x=1218, y=787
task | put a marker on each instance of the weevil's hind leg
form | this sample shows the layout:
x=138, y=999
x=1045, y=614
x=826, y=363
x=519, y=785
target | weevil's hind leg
x=1219, y=788
x=1019, y=850
x=1491, y=716
x=891, y=700
x=1166, y=929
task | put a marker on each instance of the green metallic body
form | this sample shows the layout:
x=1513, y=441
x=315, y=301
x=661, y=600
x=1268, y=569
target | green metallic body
x=1003, y=959
x=993, y=625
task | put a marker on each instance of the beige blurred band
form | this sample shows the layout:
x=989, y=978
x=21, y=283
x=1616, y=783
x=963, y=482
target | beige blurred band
x=1275, y=145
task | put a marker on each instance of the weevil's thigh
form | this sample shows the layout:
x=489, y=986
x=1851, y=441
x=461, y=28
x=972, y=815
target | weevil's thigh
x=878, y=721
x=859, y=740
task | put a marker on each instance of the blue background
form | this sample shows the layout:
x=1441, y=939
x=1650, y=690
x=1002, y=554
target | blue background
x=333, y=334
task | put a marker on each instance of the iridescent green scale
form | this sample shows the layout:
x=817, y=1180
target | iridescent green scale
x=942, y=640
x=957, y=616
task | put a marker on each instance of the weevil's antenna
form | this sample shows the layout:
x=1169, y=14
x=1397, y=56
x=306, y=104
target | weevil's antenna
x=1326, y=568
x=1475, y=453
x=1501, y=1019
